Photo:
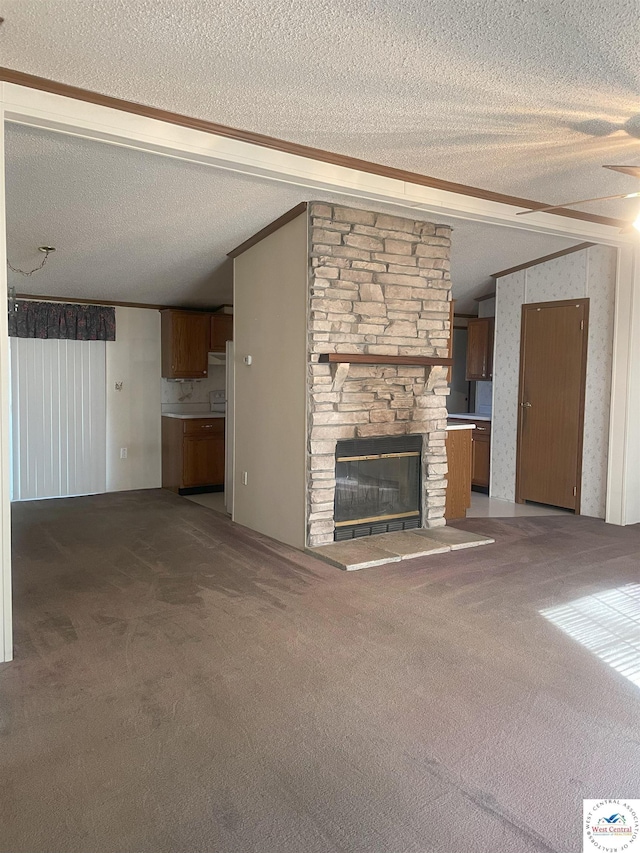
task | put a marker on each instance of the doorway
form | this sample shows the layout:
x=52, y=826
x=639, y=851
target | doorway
x=553, y=363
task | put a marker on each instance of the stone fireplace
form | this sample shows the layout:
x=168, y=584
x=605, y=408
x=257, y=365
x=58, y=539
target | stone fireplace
x=378, y=485
x=379, y=289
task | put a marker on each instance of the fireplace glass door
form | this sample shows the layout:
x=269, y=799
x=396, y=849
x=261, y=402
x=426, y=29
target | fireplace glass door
x=377, y=492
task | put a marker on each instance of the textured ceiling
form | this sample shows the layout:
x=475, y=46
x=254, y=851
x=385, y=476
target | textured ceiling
x=528, y=97
x=137, y=227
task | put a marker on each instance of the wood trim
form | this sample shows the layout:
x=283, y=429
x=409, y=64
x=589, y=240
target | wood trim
x=484, y=297
x=543, y=260
x=31, y=81
x=457, y=316
x=269, y=229
x=110, y=302
x=364, y=358
x=585, y=302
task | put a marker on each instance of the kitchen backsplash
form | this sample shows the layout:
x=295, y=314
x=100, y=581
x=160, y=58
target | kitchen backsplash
x=183, y=395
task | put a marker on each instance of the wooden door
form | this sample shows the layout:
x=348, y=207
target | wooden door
x=553, y=362
x=221, y=331
x=480, y=349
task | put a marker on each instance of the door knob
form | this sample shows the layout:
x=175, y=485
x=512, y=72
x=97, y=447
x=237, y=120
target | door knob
x=525, y=405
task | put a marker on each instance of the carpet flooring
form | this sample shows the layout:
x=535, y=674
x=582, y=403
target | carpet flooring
x=182, y=684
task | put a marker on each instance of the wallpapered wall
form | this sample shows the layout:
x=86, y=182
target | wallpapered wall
x=590, y=273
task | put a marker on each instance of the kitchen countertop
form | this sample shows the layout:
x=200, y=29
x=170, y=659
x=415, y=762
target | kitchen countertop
x=469, y=416
x=460, y=426
x=191, y=416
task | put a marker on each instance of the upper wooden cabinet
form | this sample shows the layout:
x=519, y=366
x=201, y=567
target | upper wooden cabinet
x=480, y=349
x=185, y=344
x=221, y=331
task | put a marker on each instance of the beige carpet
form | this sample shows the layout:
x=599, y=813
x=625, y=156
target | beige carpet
x=183, y=685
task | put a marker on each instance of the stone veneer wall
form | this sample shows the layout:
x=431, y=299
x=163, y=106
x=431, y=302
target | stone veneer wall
x=379, y=284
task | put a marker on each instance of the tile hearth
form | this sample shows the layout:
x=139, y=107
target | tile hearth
x=386, y=548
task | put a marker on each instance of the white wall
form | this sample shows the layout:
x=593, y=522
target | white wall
x=133, y=414
x=590, y=273
x=270, y=309
x=6, y=630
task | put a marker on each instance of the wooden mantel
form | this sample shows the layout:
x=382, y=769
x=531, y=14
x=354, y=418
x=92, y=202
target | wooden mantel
x=364, y=358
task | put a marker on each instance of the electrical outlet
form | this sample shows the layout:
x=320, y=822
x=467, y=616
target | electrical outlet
x=123, y=453
x=245, y=478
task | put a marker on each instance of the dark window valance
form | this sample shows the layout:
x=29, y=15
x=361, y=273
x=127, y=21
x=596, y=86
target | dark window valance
x=62, y=321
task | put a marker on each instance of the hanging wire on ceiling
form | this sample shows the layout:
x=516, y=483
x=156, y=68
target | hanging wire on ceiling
x=47, y=251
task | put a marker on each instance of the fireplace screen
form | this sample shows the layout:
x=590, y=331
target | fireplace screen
x=377, y=485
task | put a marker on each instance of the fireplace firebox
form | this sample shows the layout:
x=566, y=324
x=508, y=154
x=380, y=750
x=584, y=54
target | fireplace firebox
x=378, y=485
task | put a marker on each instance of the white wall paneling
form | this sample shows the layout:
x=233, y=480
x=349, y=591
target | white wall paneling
x=590, y=273
x=623, y=492
x=6, y=630
x=58, y=418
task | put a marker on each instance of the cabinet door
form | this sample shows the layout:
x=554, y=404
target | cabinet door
x=221, y=331
x=203, y=461
x=480, y=349
x=481, y=460
x=185, y=345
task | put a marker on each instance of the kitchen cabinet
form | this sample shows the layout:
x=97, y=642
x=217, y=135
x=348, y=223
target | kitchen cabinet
x=480, y=349
x=459, y=462
x=221, y=331
x=481, y=454
x=185, y=337
x=192, y=454
x=480, y=450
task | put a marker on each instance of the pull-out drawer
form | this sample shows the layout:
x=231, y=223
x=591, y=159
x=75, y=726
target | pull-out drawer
x=203, y=426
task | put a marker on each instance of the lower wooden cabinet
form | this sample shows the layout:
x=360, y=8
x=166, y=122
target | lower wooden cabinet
x=480, y=452
x=192, y=453
x=481, y=456
x=459, y=452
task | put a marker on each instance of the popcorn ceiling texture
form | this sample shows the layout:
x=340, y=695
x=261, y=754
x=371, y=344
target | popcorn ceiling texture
x=491, y=93
x=173, y=224
x=379, y=284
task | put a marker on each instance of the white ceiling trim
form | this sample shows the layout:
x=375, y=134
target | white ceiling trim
x=59, y=113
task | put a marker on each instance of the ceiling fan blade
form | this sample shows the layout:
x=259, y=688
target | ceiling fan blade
x=573, y=203
x=634, y=171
